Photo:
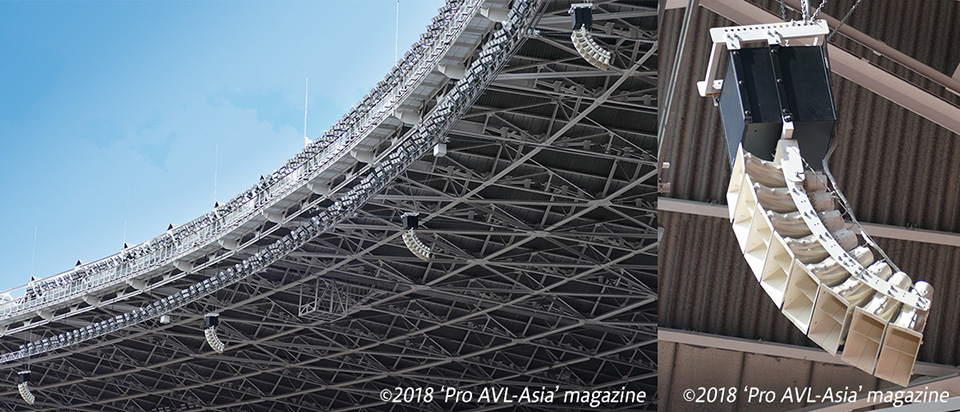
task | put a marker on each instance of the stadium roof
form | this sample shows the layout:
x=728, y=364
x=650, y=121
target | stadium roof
x=540, y=216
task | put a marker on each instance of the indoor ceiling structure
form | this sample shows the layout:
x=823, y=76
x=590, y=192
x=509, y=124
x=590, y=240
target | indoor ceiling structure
x=896, y=95
x=533, y=177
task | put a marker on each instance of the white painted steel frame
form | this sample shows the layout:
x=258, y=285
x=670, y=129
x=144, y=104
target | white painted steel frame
x=855, y=69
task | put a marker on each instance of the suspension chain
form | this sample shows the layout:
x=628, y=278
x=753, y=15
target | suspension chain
x=844, y=19
x=816, y=12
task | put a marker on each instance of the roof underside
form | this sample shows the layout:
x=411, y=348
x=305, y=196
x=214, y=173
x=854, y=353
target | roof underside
x=894, y=167
x=542, y=220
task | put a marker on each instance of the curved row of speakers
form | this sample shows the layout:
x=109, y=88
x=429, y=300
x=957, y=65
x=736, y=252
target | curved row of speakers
x=810, y=264
x=23, y=386
x=416, y=247
x=592, y=52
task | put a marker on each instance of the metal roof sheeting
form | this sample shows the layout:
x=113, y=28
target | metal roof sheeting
x=916, y=28
x=713, y=290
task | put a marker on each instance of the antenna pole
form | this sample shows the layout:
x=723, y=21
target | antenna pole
x=216, y=160
x=306, y=98
x=34, y=256
x=126, y=207
x=396, y=43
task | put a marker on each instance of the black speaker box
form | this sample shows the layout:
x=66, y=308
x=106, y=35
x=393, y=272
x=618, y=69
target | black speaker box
x=763, y=86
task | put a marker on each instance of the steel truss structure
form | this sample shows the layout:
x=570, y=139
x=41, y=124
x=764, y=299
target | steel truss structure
x=541, y=217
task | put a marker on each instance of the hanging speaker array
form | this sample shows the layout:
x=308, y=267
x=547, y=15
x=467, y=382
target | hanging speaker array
x=210, y=323
x=813, y=268
x=411, y=221
x=583, y=41
x=591, y=51
x=776, y=108
x=23, y=386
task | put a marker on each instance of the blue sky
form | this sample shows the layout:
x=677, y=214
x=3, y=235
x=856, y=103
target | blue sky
x=114, y=112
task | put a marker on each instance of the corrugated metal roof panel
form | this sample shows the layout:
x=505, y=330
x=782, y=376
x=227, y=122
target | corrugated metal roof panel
x=694, y=145
x=916, y=28
x=706, y=286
